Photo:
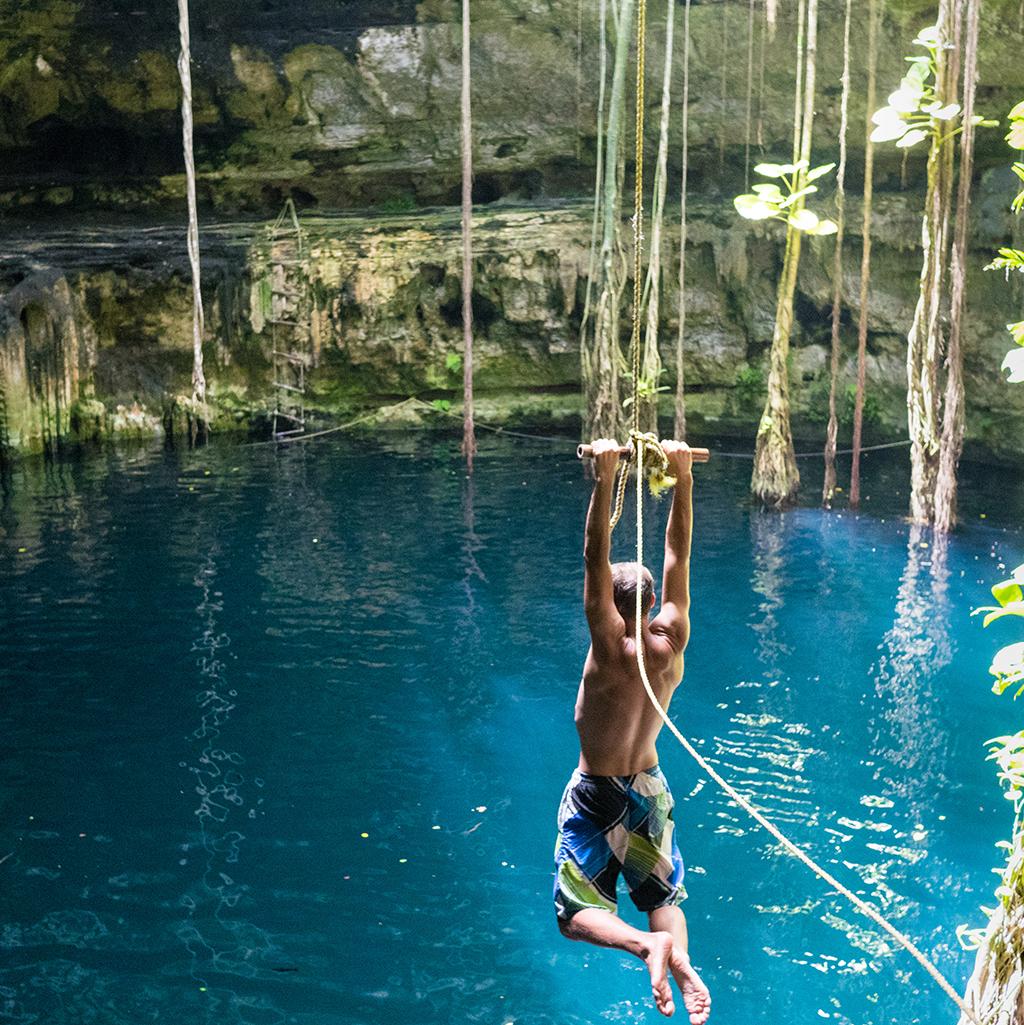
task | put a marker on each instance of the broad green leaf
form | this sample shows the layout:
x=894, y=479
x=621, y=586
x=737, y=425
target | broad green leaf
x=826, y=227
x=889, y=131
x=1007, y=591
x=912, y=84
x=912, y=138
x=928, y=37
x=948, y=112
x=818, y=172
x=804, y=220
x=984, y=122
x=768, y=191
x=920, y=65
x=1014, y=362
x=1017, y=111
x=931, y=108
x=753, y=208
x=770, y=170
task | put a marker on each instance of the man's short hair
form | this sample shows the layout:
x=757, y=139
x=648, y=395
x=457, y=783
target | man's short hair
x=624, y=589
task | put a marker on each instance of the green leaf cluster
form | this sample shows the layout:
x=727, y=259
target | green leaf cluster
x=913, y=112
x=1010, y=259
x=783, y=199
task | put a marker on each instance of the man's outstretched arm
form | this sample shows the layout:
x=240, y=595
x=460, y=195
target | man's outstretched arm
x=606, y=625
x=673, y=619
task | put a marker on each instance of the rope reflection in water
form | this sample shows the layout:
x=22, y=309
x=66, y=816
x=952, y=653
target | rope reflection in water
x=219, y=942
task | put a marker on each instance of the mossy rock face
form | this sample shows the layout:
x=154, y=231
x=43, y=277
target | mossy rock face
x=358, y=105
x=382, y=299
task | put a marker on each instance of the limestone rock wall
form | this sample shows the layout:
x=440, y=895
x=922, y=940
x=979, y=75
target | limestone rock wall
x=354, y=103
x=382, y=299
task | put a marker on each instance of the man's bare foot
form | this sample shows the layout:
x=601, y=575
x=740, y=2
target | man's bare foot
x=696, y=998
x=659, y=950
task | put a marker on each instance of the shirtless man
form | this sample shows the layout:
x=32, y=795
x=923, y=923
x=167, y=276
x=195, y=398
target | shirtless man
x=616, y=813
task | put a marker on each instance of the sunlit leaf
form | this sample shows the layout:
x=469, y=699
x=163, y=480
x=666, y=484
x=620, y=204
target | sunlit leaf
x=804, y=220
x=889, y=131
x=1015, y=136
x=885, y=115
x=906, y=101
x=919, y=68
x=753, y=208
x=1017, y=111
x=768, y=191
x=826, y=227
x=799, y=194
x=818, y=172
x=946, y=113
x=1008, y=661
x=912, y=138
x=1014, y=362
x=928, y=37
x=1015, y=608
x=770, y=170
x=1007, y=591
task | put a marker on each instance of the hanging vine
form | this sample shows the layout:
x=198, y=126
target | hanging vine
x=680, y=399
x=468, y=429
x=865, y=256
x=651, y=369
x=198, y=415
x=600, y=347
x=952, y=441
x=829, y=486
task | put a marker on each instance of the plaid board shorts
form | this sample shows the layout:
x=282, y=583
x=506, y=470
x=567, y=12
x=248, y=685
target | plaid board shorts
x=609, y=825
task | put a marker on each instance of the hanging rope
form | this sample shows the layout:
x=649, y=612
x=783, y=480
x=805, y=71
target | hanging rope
x=644, y=443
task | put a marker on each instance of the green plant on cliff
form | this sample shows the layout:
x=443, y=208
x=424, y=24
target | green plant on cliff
x=996, y=987
x=926, y=107
x=786, y=202
x=775, y=479
x=1010, y=259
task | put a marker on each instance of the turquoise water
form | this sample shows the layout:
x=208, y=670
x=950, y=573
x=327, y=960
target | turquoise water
x=220, y=668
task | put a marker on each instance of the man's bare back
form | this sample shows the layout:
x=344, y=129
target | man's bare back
x=616, y=813
x=618, y=727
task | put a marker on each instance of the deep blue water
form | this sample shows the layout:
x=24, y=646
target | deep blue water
x=284, y=734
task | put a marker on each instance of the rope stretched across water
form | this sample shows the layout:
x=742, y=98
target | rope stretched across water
x=861, y=905
x=643, y=442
